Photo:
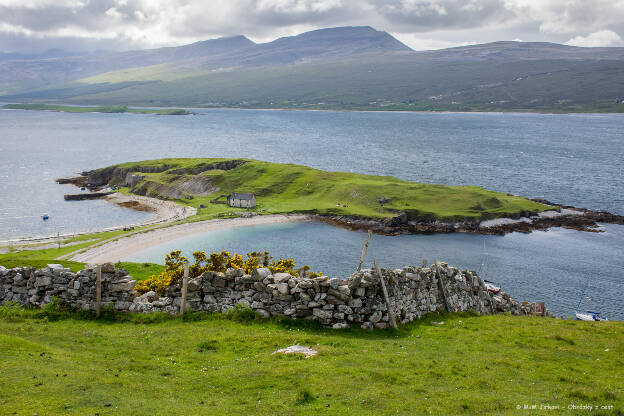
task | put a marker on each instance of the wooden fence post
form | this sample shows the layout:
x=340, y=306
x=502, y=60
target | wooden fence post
x=441, y=286
x=385, y=293
x=98, y=290
x=184, y=287
x=368, y=236
x=489, y=297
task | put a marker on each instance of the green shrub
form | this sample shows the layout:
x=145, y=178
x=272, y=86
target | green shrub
x=207, y=346
x=242, y=313
x=304, y=397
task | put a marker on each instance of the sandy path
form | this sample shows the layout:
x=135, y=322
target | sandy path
x=166, y=211
x=125, y=246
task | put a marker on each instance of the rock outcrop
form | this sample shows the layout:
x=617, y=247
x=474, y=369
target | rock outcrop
x=337, y=303
x=115, y=175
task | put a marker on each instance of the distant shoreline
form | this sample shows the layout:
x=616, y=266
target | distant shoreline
x=144, y=109
x=405, y=110
x=115, y=109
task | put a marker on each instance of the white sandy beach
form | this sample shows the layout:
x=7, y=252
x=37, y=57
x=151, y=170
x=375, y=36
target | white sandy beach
x=120, y=248
x=165, y=211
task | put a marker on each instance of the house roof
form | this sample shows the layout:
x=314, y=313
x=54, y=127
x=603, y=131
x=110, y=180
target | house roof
x=242, y=196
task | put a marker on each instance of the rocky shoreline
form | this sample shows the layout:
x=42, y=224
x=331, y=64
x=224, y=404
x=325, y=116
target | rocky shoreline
x=581, y=219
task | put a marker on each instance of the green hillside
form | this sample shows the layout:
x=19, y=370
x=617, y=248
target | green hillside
x=368, y=83
x=63, y=364
x=288, y=188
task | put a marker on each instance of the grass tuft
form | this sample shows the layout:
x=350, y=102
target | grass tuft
x=564, y=339
x=242, y=313
x=304, y=397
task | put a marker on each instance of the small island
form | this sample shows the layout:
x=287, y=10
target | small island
x=382, y=203
x=97, y=109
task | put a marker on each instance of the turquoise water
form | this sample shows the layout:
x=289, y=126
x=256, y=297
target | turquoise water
x=554, y=266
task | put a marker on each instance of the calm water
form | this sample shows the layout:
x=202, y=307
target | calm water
x=552, y=266
x=570, y=159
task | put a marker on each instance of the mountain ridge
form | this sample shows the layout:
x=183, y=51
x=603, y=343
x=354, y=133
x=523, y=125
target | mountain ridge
x=353, y=67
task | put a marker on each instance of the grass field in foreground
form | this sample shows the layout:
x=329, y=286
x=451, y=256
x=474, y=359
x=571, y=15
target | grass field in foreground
x=287, y=188
x=222, y=365
x=97, y=109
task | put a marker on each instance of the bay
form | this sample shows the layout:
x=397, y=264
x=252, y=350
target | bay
x=554, y=266
x=573, y=159
x=570, y=159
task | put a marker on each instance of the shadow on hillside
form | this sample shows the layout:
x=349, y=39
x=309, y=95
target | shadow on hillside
x=54, y=312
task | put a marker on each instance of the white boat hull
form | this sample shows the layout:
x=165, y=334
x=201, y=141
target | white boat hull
x=589, y=317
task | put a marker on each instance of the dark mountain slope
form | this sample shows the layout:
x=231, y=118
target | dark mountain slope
x=516, y=51
x=338, y=68
x=390, y=84
x=23, y=74
x=16, y=75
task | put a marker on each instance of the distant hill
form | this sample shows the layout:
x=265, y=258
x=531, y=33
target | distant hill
x=515, y=51
x=336, y=68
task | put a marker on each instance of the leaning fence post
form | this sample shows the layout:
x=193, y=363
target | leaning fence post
x=98, y=290
x=385, y=293
x=184, y=287
x=368, y=236
x=441, y=286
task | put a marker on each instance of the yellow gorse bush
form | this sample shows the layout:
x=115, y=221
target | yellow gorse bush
x=217, y=262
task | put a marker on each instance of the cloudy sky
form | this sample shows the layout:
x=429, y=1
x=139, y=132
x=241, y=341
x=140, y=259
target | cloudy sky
x=85, y=25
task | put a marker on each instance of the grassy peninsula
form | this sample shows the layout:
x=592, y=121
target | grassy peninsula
x=97, y=109
x=287, y=188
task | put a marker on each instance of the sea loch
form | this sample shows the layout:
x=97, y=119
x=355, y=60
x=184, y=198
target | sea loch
x=569, y=159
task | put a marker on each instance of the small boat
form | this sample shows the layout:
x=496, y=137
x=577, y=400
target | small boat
x=590, y=316
x=45, y=217
x=491, y=287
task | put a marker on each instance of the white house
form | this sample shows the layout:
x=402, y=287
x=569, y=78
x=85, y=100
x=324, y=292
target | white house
x=242, y=200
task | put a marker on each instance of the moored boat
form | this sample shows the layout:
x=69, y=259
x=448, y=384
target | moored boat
x=587, y=315
x=590, y=316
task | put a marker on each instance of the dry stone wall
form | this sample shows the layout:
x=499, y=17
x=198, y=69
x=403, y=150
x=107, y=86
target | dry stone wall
x=338, y=303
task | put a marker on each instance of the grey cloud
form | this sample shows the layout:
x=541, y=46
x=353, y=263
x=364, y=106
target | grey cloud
x=427, y=15
x=92, y=16
x=262, y=18
x=148, y=23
